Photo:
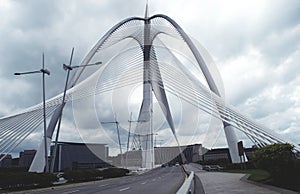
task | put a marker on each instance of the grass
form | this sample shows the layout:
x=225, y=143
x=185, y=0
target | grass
x=255, y=174
x=263, y=176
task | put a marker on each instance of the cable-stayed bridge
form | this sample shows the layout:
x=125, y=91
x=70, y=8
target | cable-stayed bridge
x=156, y=53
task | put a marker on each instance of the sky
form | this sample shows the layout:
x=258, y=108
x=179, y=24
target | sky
x=255, y=45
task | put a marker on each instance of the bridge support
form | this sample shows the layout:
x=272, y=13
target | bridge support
x=38, y=163
x=232, y=143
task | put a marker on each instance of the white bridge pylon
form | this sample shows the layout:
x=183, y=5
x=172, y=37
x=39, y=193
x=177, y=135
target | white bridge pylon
x=152, y=81
x=146, y=37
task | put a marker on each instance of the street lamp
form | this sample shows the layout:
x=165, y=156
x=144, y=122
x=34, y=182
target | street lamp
x=43, y=71
x=67, y=68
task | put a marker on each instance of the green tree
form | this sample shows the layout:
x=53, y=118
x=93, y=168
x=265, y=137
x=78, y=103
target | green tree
x=279, y=160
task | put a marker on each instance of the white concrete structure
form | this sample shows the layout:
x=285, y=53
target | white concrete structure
x=147, y=37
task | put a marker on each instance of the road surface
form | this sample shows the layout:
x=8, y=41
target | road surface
x=160, y=180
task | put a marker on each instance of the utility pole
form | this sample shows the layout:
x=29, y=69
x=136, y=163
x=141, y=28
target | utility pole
x=129, y=130
x=130, y=121
x=119, y=140
x=43, y=71
x=67, y=68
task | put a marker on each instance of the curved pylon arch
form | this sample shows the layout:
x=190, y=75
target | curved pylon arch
x=230, y=134
x=211, y=100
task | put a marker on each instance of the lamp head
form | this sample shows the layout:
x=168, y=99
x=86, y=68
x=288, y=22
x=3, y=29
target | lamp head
x=46, y=71
x=67, y=67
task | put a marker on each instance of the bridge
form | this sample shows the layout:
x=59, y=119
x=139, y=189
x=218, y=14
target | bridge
x=153, y=52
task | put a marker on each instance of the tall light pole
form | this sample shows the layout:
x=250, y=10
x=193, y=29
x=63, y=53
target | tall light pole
x=119, y=139
x=67, y=68
x=43, y=71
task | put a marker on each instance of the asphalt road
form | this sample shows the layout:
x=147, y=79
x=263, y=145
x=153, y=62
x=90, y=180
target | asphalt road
x=160, y=180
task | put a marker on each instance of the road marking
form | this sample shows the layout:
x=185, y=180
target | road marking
x=124, y=189
x=102, y=185
x=144, y=183
x=153, y=180
x=68, y=192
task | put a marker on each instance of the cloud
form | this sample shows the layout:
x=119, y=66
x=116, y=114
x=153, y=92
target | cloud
x=255, y=45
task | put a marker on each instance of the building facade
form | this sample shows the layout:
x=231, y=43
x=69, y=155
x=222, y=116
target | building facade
x=224, y=154
x=163, y=155
x=71, y=156
x=6, y=162
x=26, y=158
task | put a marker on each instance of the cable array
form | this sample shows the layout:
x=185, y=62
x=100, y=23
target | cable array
x=125, y=68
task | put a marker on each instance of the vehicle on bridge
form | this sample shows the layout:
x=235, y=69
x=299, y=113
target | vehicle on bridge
x=212, y=167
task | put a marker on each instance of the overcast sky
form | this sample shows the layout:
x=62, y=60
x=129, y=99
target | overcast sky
x=255, y=45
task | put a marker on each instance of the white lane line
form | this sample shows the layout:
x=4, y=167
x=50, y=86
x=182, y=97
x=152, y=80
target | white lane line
x=124, y=189
x=143, y=183
x=102, y=185
x=68, y=192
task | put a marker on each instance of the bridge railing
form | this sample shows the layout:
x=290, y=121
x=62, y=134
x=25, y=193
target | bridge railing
x=188, y=185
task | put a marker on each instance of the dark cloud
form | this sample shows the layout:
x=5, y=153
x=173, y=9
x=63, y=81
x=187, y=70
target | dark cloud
x=255, y=45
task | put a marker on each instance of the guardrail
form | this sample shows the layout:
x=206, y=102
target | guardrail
x=187, y=186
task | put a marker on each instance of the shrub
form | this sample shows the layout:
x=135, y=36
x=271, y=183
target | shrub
x=280, y=161
x=15, y=180
x=82, y=175
x=114, y=172
x=93, y=174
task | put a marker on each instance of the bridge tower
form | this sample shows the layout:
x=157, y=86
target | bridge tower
x=143, y=31
x=145, y=119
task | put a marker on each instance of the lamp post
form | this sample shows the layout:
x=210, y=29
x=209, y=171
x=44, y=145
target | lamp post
x=67, y=68
x=43, y=71
x=119, y=140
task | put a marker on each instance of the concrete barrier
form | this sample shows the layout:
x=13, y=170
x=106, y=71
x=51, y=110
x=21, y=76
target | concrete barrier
x=188, y=185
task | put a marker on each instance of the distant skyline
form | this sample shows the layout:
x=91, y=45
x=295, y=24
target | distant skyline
x=255, y=46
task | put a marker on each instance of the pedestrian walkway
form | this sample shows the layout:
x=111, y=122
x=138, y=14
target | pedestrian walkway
x=230, y=183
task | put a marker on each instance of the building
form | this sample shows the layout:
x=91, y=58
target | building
x=217, y=154
x=223, y=154
x=250, y=152
x=26, y=157
x=6, y=162
x=171, y=155
x=72, y=156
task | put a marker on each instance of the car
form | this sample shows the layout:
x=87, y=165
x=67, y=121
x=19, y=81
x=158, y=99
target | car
x=206, y=167
x=216, y=167
x=133, y=172
x=212, y=167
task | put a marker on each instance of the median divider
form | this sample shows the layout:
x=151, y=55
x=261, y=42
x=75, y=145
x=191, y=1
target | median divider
x=188, y=185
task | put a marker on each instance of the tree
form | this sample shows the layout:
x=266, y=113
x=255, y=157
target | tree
x=279, y=160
